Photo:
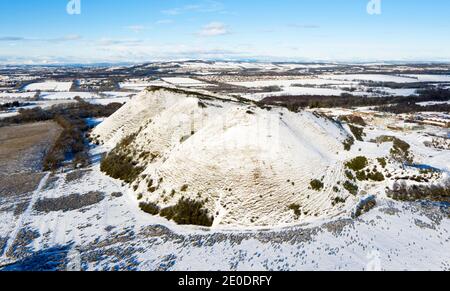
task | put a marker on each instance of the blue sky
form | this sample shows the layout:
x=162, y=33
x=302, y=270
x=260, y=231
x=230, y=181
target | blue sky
x=302, y=30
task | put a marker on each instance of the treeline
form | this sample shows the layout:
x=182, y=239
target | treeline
x=395, y=85
x=413, y=107
x=437, y=193
x=294, y=103
x=80, y=109
x=15, y=104
x=69, y=146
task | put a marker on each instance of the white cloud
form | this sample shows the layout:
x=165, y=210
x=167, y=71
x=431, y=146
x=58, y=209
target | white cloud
x=209, y=6
x=128, y=42
x=304, y=26
x=214, y=29
x=71, y=37
x=164, y=21
x=136, y=28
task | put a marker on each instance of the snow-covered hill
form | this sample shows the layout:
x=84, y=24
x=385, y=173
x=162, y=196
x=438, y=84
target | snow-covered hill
x=251, y=166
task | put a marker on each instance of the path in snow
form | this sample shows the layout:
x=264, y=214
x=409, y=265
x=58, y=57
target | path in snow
x=24, y=217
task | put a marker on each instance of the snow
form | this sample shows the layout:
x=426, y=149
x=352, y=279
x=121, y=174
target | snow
x=129, y=118
x=139, y=85
x=8, y=114
x=49, y=103
x=68, y=95
x=296, y=91
x=433, y=103
x=93, y=122
x=49, y=86
x=106, y=101
x=113, y=234
x=95, y=98
x=243, y=159
x=25, y=95
x=118, y=94
x=430, y=78
x=371, y=77
x=185, y=82
x=399, y=92
x=253, y=154
x=325, y=85
x=244, y=149
x=289, y=83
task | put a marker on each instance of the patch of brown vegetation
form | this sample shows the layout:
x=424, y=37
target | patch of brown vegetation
x=19, y=184
x=22, y=147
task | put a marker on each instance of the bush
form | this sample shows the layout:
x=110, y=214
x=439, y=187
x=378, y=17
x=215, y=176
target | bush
x=348, y=143
x=338, y=200
x=376, y=176
x=120, y=166
x=350, y=175
x=296, y=209
x=382, y=162
x=361, y=176
x=188, y=212
x=353, y=119
x=400, y=150
x=69, y=143
x=316, y=185
x=357, y=164
x=358, y=132
x=351, y=188
x=437, y=193
x=150, y=208
x=365, y=206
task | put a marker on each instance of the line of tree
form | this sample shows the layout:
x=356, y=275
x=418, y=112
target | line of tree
x=15, y=104
x=294, y=103
x=413, y=107
x=80, y=109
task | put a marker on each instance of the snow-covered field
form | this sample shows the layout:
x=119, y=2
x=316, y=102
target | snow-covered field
x=68, y=95
x=185, y=82
x=44, y=104
x=93, y=222
x=433, y=103
x=113, y=234
x=8, y=114
x=252, y=168
x=286, y=91
x=289, y=83
x=139, y=85
x=49, y=86
x=118, y=94
x=24, y=95
x=430, y=78
x=325, y=85
x=106, y=101
x=373, y=77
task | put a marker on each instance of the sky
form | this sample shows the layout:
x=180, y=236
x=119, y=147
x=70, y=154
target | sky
x=61, y=31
